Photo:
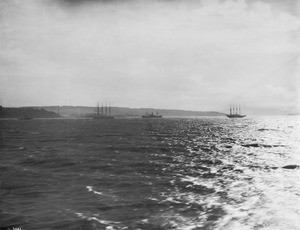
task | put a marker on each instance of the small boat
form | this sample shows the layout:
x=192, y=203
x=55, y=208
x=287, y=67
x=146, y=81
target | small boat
x=235, y=112
x=105, y=113
x=152, y=115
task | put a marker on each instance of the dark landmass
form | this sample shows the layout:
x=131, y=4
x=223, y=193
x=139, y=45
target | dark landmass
x=83, y=111
x=27, y=112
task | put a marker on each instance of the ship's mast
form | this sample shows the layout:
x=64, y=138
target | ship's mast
x=109, y=110
x=98, y=110
x=230, y=110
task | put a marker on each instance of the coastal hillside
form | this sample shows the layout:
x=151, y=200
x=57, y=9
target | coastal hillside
x=84, y=111
x=26, y=112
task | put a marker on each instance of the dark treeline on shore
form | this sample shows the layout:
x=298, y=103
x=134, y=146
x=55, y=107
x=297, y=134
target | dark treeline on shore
x=27, y=112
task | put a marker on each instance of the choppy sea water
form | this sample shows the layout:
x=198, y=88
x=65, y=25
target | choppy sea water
x=172, y=173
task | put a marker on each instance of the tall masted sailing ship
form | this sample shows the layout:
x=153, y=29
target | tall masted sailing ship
x=105, y=112
x=235, y=112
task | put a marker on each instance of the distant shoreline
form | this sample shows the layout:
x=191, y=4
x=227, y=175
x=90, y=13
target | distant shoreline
x=27, y=113
x=86, y=111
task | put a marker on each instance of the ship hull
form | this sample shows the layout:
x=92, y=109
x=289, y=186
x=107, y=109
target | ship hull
x=235, y=116
x=103, y=118
x=25, y=118
x=156, y=116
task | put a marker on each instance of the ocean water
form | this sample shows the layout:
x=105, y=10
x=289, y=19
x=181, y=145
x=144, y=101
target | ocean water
x=171, y=173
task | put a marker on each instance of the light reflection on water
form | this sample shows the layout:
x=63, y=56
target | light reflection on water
x=271, y=199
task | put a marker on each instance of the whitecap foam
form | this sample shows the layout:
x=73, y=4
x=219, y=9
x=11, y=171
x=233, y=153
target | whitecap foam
x=197, y=181
x=110, y=224
x=90, y=189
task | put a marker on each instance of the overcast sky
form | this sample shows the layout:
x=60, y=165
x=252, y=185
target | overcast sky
x=175, y=54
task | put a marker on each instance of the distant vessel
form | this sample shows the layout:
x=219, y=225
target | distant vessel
x=235, y=112
x=152, y=115
x=25, y=118
x=105, y=113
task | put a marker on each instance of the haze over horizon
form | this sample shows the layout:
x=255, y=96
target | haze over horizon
x=200, y=55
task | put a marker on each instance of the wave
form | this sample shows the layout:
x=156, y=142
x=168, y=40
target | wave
x=90, y=189
x=258, y=145
x=109, y=225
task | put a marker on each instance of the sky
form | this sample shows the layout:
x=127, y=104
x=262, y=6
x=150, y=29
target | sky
x=173, y=54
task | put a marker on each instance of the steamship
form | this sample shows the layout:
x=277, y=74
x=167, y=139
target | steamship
x=152, y=115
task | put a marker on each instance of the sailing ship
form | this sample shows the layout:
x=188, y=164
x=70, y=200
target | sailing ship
x=104, y=114
x=235, y=112
x=152, y=115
